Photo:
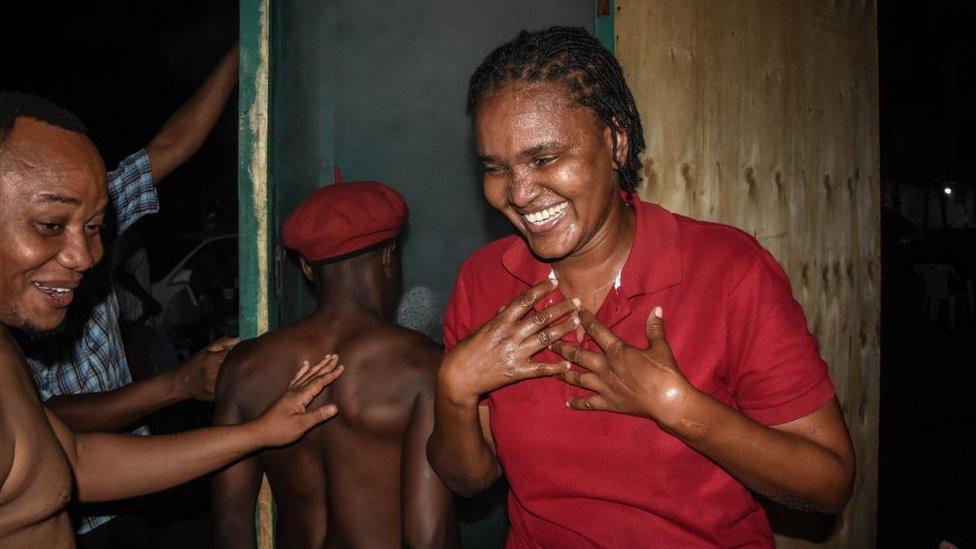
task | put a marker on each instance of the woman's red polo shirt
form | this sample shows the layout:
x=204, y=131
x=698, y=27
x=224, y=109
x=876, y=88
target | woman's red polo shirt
x=584, y=479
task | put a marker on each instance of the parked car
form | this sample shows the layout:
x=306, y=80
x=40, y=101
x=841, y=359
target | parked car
x=194, y=278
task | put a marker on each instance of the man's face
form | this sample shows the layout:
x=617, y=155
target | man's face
x=548, y=165
x=52, y=204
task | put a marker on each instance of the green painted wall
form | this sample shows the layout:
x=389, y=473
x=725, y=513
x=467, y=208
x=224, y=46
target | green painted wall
x=378, y=87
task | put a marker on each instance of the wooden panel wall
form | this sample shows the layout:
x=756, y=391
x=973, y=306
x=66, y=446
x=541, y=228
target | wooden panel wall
x=763, y=114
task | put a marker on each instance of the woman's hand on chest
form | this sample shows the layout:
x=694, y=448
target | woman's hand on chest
x=627, y=379
x=500, y=352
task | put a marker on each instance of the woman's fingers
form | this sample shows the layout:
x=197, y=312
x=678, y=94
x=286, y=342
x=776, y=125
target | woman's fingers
x=533, y=370
x=607, y=340
x=536, y=321
x=586, y=380
x=594, y=362
x=589, y=403
x=524, y=302
x=548, y=335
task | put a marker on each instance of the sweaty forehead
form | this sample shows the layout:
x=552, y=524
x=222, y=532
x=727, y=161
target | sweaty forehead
x=521, y=112
x=38, y=157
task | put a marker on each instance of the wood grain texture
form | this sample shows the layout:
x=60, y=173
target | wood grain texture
x=763, y=114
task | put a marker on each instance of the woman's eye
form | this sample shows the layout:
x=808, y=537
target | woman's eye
x=95, y=228
x=491, y=169
x=49, y=227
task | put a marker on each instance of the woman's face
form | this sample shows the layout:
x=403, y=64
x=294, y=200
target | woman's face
x=548, y=165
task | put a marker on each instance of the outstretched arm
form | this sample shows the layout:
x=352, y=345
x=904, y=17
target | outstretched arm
x=428, y=517
x=188, y=127
x=110, y=411
x=109, y=467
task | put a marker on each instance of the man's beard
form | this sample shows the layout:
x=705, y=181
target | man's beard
x=15, y=320
x=36, y=334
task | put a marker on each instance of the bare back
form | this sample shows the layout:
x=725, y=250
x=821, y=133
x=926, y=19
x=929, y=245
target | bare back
x=344, y=477
x=35, y=475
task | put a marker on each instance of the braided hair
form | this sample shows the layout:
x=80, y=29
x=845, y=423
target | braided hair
x=573, y=57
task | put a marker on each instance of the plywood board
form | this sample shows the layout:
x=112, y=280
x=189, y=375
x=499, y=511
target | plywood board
x=764, y=115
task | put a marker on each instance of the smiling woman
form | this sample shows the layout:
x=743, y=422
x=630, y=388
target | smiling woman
x=559, y=374
x=530, y=133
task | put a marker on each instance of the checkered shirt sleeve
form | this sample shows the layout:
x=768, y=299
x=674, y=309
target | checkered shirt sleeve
x=131, y=191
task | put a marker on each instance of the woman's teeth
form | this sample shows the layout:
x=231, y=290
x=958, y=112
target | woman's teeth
x=542, y=216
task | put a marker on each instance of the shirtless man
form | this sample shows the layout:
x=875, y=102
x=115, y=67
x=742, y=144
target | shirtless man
x=52, y=201
x=365, y=476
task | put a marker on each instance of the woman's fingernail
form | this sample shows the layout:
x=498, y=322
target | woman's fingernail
x=576, y=320
x=577, y=302
x=659, y=312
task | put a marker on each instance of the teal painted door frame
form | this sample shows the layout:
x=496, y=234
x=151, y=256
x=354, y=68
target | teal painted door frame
x=260, y=266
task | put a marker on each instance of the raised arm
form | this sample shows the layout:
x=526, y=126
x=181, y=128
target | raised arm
x=428, y=518
x=109, y=467
x=188, y=127
x=110, y=411
x=493, y=356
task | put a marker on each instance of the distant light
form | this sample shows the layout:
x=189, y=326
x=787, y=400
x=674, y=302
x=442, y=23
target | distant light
x=947, y=190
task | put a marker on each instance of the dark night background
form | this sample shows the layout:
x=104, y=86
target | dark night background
x=124, y=66
x=927, y=65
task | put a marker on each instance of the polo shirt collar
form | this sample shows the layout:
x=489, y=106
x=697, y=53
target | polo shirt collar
x=654, y=262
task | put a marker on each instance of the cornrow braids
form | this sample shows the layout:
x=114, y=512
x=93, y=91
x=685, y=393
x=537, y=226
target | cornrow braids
x=573, y=57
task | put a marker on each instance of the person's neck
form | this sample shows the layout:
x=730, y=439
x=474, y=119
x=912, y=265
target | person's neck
x=350, y=303
x=590, y=272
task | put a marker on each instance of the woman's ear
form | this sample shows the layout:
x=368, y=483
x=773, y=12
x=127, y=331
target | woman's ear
x=618, y=143
x=306, y=269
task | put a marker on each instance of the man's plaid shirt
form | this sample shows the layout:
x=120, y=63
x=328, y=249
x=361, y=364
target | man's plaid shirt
x=88, y=357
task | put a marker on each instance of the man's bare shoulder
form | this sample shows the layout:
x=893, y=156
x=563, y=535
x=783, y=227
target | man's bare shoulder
x=263, y=362
x=399, y=352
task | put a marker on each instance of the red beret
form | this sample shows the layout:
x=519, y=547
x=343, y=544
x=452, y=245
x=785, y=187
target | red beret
x=343, y=218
